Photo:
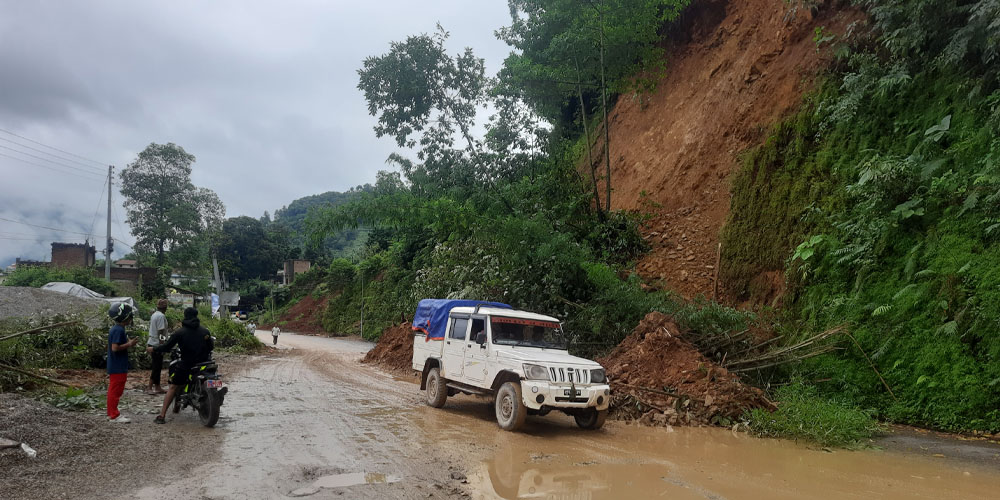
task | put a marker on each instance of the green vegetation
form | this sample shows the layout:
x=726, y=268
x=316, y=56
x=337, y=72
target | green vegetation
x=36, y=277
x=881, y=197
x=79, y=347
x=804, y=414
x=291, y=220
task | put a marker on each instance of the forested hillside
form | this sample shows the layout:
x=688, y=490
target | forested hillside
x=844, y=154
x=292, y=218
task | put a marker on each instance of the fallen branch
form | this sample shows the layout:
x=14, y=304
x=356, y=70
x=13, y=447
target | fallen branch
x=35, y=375
x=872, y=364
x=35, y=330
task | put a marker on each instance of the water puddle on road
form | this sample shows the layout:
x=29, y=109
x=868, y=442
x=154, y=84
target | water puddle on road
x=552, y=458
x=343, y=481
x=635, y=462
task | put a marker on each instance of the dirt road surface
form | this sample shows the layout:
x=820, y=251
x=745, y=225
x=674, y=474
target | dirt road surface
x=309, y=421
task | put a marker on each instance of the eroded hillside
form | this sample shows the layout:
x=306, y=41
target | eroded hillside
x=736, y=69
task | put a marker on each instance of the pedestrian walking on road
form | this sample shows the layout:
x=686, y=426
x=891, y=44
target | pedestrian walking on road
x=157, y=336
x=118, y=346
x=274, y=333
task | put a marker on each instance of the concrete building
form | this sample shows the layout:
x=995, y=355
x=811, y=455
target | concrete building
x=126, y=264
x=293, y=267
x=67, y=255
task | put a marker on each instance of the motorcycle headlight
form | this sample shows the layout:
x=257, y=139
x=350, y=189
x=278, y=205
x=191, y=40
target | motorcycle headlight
x=598, y=376
x=535, y=372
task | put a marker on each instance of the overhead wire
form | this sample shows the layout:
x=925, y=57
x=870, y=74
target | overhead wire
x=95, y=169
x=49, y=167
x=51, y=161
x=101, y=164
x=97, y=211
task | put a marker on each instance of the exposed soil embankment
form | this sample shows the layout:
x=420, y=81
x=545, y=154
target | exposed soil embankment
x=394, y=350
x=304, y=317
x=733, y=70
x=659, y=378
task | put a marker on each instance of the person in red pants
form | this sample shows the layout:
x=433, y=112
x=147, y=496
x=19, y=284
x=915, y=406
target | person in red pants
x=118, y=346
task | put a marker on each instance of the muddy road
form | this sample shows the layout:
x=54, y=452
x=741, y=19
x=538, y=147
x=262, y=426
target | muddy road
x=310, y=421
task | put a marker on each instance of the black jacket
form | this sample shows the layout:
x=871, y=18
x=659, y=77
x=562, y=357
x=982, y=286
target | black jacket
x=194, y=340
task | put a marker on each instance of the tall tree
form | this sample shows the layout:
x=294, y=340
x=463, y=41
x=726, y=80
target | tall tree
x=418, y=88
x=164, y=209
x=248, y=249
x=568, y=49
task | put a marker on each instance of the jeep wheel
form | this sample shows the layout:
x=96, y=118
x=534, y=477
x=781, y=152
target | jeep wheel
x=437, y=392
x=591, y=418
x=509, y=407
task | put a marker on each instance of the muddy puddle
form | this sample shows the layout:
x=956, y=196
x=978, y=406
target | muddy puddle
x=553, y=459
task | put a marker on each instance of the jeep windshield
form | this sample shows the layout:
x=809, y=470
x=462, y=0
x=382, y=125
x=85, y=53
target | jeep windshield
x=527, y=332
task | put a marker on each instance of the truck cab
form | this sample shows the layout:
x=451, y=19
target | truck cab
x=518, y=358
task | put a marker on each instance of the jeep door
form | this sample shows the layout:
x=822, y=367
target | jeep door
x=453, y=355
x=475, y=352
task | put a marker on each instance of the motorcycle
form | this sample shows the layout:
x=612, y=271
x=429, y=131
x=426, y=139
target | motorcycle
x=205, y=391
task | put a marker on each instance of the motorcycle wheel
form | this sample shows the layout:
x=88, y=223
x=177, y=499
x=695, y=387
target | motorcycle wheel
x=208, y=410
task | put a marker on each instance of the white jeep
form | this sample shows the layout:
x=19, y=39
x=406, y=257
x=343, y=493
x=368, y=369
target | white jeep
x=517, y=357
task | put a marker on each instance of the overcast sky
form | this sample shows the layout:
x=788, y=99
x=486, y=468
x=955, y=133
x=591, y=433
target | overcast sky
x=263, y=93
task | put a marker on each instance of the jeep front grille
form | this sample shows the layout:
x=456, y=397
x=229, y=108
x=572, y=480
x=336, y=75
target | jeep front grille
x=574, y=375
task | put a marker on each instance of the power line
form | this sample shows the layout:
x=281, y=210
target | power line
x=95, y=169
x=97, y=211
x=102, y=164
x=48, y=167
x=48, y=160
x=44, y=227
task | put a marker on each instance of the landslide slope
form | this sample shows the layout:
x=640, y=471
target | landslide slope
x=735, y=69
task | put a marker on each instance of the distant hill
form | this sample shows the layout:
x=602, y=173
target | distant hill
x=293, y=216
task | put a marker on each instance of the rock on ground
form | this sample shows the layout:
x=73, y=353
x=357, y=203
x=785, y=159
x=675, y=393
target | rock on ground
x=661, y=379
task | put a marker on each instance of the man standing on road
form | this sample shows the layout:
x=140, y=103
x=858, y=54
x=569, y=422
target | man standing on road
x=118, y=346
x=274, y=333
x=196, y=346
x=157, y=336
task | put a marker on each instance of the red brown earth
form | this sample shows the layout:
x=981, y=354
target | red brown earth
x=394, y=350
x=660, y=378
x=305, y=316
x=738, y=68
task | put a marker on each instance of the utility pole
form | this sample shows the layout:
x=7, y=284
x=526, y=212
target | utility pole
x=110, y=244
x=362, y=303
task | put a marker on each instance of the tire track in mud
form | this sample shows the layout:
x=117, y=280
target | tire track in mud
x=301, y=417
x=292, y=418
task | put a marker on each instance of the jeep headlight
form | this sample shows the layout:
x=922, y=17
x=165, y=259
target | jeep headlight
x=535, y=372
x=598, y=376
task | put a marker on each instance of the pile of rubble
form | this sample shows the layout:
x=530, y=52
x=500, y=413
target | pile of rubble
x=394, y=350
x=659, y=378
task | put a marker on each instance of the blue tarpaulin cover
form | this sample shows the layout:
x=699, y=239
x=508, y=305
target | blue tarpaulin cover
x=432, y=314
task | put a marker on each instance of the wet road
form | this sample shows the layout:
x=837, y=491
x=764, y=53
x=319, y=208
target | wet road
x=309, y=421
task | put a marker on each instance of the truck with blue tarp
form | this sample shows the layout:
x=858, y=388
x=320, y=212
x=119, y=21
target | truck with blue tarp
x=517, y=358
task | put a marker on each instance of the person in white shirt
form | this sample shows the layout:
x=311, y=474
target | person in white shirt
x=274, y=333
x=157, y=335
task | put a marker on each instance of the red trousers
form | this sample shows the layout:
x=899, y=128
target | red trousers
x=116, y=386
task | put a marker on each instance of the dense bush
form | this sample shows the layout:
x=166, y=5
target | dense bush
x=882, y=198
x=804, y=414
x=38, y=276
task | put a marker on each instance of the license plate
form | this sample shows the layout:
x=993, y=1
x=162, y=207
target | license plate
x=568, y=392
x=213, y=384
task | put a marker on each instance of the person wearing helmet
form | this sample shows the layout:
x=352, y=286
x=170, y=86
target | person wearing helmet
x=195, y=343
x=118, y=346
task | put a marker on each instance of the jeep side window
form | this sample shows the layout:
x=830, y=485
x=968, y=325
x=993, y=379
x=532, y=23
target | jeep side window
x=459, y=326
x=478, y=331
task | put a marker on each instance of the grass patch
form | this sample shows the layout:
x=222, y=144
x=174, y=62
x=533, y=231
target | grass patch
x=805, y=415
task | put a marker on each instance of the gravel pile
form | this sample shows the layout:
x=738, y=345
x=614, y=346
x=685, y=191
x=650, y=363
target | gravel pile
x=26, y=302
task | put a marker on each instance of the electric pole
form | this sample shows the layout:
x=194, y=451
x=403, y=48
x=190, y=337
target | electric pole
x=110, y=245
